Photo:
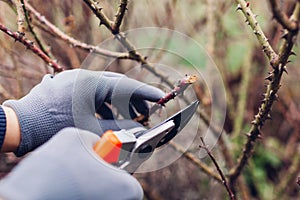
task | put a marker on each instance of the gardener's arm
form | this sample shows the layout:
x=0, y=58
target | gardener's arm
x=9, y=130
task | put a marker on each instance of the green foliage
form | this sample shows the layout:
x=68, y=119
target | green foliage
x=262, y=171
x=236, y=55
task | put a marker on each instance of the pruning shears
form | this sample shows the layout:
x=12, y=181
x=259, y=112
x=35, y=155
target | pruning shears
x=128, y=149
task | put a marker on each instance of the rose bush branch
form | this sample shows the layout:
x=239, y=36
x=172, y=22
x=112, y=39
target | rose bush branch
x=202, y=166
x=251, y=20
x=72, y=41
x=177, y=90
x=30, y=27
x=224, y=181
x=30, y=45
x=20, y=16
x=274, y=78
x=281, y=17
x=119, y=16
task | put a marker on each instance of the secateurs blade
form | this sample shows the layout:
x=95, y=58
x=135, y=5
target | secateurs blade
x=128, y=149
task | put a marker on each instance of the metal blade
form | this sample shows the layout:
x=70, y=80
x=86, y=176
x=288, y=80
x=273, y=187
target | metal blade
x=180, y=119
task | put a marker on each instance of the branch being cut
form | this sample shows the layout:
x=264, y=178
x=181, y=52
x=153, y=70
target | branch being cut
x=30, y=45
x=179, y=89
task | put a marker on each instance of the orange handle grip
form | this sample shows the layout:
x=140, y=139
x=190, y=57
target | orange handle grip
x=109, y=147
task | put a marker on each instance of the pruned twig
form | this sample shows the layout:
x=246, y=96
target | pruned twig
x=30, y=45
x=178, y=90
x=224, y=181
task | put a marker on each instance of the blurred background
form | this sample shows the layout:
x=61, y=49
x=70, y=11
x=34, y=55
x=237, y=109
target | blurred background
x=227, y=41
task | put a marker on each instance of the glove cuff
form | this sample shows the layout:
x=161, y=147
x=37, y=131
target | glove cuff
x=36, y=123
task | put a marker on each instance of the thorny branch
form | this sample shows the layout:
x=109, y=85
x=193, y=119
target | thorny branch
x=75, y=43
x=196, y=161
x=36, y=38
x=20, y=16
x=30, y=45
x=179, y=89
x=281, y=17
x=224, y=181
x=119, y=16
x=274, y=78
x=251, y=20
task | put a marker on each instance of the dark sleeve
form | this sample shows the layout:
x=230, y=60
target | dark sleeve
x=2, y=126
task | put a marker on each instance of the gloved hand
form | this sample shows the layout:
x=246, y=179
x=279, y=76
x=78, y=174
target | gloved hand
x=71, y=99
x=66, y=167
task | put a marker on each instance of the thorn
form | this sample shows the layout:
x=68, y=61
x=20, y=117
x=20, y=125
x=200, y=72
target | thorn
x=20, y=34
x=284, y=69
x=248, y=4
x=259, y=136
x=256, y=33
x=269, y=117
x=248, y=134
x=270, y=77
x=257, y=116
x=284, y=35
x=239, y=7
x=293, y=53
x=253, y=122
x=264, y=95
x=146, y=57
x=288, y=61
